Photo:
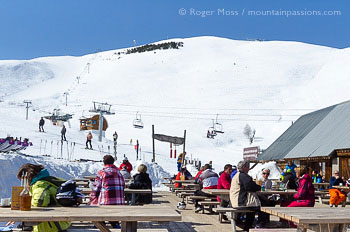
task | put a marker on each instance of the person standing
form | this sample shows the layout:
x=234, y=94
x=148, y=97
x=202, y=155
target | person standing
x=108, y=187
x=41, y=125
x=63, y=133
x=336, y=195
x=115, y=137
x=88, y=140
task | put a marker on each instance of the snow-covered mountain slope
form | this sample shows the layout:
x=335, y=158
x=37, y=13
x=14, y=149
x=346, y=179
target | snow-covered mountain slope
x=244, y=82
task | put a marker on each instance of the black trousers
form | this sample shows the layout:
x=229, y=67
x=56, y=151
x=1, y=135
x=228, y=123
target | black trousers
x=88, y=142
x=63, y=136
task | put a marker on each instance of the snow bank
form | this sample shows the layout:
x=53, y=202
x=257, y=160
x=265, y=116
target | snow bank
x=275, y=171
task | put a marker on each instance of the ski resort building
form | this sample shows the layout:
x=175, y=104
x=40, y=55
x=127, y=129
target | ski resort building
x=319, y=140
x=92, y=123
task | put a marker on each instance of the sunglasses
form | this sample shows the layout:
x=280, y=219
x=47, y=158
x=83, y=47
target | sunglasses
x=265, y=173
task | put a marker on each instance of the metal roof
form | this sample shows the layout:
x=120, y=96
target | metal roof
x=313, y=135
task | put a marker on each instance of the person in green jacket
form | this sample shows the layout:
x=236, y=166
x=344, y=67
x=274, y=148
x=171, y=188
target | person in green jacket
x=43, y=191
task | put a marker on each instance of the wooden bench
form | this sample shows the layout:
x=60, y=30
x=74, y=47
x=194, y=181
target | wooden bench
x=210, y=205
x=185, y=191
x=233, y=212
x=274, y=230
x=193, y=198
x=184, y=195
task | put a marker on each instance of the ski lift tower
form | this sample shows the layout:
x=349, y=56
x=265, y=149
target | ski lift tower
x=101, y=108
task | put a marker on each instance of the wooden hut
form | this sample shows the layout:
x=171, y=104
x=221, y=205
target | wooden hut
x=93, y=123
x=319, y=140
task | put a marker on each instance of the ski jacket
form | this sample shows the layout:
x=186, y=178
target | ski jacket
x=197, y=176
x=128, y=166
x=89, y=136
x=108, y=187
x=334, y=181
x=224, y=181
x=43, y=191
x=142, y=181
x=306, y=190
x=185, y=176
x=234, y=172
x=209, y=179
x=125, y=174
x=317, y=178
x=63, y=131
x=41, y=122
x=243, y=191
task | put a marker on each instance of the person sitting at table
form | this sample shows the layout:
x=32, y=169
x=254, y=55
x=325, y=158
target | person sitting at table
x=108, y=187
x=337, y=196
x=289, y=181
x=208, y=180
x=199, y=172
x=125, y=173
x=183, y=174
x=43, y=191
x=224, y=182
x=234, y=171
x=316, y=177
x=127, y=164
x=305, y=197
x=243, y=192
x=266, y=182
x=142, y=181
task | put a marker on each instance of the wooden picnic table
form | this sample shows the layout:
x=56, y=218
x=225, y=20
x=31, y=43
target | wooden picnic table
x=305, y=217
x=128, y=215
x=319, y=185
x=222, y=192
x=183, y=181
x=344, y=188
x=191, y=185
x=90, y=177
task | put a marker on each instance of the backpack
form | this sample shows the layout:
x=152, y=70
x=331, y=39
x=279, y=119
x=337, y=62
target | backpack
x=69, y=195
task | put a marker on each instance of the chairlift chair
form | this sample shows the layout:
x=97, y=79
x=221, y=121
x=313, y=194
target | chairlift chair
x=218, y=126
x=137, y=123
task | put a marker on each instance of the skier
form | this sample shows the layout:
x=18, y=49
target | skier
x=115, y=136
x=88, y=140
x=63, y=133
x=41, y=125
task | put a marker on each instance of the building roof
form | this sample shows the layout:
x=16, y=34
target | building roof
x=315, y=134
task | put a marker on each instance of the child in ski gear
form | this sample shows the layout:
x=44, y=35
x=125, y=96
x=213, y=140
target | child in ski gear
x=41, y=125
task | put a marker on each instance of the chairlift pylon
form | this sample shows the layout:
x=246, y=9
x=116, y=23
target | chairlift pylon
x=137, y=123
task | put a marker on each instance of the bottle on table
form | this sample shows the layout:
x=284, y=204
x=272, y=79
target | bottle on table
x=25, y=197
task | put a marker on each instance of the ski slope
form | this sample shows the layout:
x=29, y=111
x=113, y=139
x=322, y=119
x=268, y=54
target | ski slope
x=264, y=84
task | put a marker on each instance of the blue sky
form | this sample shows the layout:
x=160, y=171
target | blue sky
x=36, y=28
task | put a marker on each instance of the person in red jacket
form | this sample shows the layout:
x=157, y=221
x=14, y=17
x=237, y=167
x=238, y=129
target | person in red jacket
x=305, y=197
x=224, y=182
x=199, y=173
x=127, y=164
